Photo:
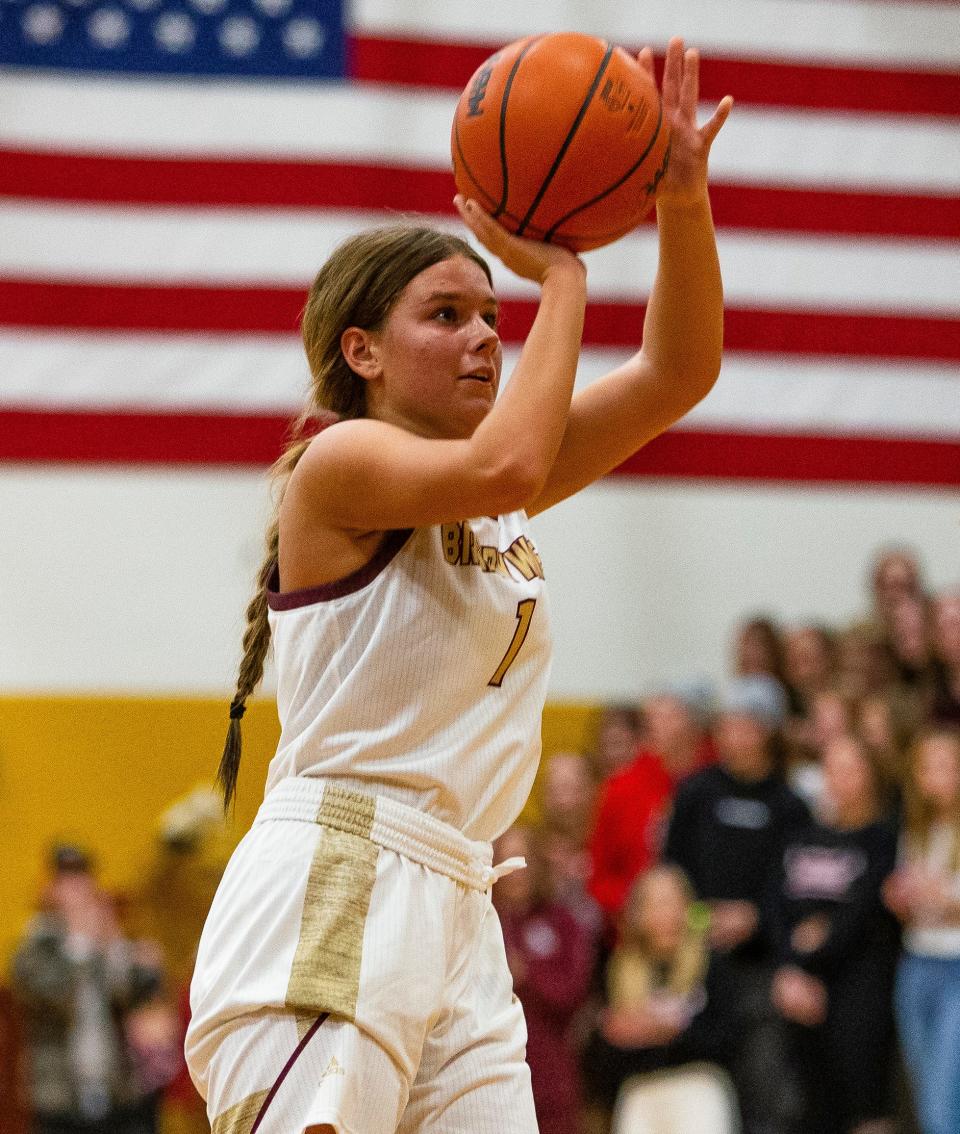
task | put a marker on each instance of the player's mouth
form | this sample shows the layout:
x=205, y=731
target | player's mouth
x=484, y=376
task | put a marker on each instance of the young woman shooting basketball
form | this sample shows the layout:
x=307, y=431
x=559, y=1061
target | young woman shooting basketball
x=351, y=976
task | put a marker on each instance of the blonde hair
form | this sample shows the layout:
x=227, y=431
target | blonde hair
x=919, y=812
x=632, y=974
x=356, y=287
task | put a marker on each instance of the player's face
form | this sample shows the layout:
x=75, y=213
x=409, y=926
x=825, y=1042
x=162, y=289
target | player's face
x=439, y=352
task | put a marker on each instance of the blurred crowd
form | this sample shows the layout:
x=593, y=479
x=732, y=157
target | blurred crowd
x=100, y=987
x=741, y=910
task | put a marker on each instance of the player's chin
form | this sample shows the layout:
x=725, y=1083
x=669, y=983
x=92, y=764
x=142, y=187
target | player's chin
x=475, y=391
x=473, y=408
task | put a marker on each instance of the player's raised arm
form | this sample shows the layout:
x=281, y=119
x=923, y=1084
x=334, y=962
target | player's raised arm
x=434, y=445
x=679, y=360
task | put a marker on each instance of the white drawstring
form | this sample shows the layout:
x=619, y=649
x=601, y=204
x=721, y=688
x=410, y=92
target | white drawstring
x=502, y=869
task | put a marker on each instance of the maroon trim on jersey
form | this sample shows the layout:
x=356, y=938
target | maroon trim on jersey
x=288, y=1066
x=289, y=600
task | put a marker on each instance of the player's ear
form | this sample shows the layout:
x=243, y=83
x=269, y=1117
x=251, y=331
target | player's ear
x=361, y=350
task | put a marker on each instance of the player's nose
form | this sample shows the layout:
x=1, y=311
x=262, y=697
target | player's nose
x=486, y=338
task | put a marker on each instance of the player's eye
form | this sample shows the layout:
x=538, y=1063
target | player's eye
x=446, y=314
x=492, y=319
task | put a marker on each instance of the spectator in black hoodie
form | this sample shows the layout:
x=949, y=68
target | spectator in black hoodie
x=729, y=826
x=839, y=946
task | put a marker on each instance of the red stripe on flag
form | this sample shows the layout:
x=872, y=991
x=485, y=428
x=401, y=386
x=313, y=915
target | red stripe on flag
x=132, y=307
x=223, y=439
x=196, y=183
x=274, y=310
x=771, y=82
x=798, y=457
x=141, y=438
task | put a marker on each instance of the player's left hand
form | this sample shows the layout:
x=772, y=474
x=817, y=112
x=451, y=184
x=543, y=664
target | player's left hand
x=685, y=180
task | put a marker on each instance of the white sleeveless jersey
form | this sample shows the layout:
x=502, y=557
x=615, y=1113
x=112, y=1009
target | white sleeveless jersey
x=422, y=676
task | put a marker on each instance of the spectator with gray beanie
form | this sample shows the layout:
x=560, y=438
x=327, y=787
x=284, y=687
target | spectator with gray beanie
x=728, y=829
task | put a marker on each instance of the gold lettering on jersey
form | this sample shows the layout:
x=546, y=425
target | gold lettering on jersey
x=522, y=555
x=462, y=549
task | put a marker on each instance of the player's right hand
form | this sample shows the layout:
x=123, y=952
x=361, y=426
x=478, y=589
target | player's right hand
x=529, y=259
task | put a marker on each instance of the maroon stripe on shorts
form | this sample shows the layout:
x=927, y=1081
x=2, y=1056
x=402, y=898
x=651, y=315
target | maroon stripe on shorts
x=287, y=1068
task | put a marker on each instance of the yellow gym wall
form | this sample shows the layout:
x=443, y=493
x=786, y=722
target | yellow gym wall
x=101, y=770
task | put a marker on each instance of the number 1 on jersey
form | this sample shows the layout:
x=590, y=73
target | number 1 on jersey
x=524, y=614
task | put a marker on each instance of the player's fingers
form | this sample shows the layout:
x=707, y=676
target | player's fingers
x=690, y=83
x=712, y=128
x=474, y=218
x=673, y=72
x=491, y=235
x=645, y=59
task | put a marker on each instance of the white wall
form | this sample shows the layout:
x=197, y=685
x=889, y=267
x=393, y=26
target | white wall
x=136, y=580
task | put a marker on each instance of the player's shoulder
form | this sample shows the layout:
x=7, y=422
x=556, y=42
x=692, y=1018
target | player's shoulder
x=342, y=446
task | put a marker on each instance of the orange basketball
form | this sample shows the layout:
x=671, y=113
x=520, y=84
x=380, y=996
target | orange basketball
x=561, y=137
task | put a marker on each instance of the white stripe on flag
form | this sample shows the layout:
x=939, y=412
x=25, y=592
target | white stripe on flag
x=857, y=30
x=411, y=127
x=286, y=247
x=268, y=374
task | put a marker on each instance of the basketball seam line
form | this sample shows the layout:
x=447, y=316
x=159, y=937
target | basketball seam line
x=568, y=140
x=504, y=173
x=616, y=185
x=473, y=177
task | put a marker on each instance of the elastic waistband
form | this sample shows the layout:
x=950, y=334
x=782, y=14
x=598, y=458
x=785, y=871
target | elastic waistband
x=389, y=824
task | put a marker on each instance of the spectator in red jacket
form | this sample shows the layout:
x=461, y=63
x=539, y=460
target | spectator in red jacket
x=633, y=804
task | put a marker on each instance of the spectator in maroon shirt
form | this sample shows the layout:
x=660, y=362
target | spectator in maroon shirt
x=551, y=958
x=569, y=795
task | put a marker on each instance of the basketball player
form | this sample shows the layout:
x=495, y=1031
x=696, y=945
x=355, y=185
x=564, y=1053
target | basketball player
x=351, y=975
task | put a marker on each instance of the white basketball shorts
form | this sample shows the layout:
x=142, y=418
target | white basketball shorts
x=352, y=973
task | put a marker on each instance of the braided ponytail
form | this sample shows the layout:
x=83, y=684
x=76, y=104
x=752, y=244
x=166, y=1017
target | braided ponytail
x=256, y=638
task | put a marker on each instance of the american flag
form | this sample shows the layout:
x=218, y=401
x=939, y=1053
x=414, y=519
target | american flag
x=173, y=172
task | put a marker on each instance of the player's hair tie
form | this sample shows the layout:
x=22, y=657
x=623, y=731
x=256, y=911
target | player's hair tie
x=237, y=709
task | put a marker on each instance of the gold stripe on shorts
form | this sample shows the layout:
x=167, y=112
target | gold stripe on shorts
x=239, y=1118
x=325, y=974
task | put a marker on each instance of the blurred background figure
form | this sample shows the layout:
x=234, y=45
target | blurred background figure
x=551, y=959
x=569, y=794
x=838, y=947
x=864, y=664
x=633, y=803
x=894, y=576
x=925, y=894
x=911, y=643
x=808, y=665
x=99, y=1042
x=727, y=832
x=946, y=693
x=830, y=717
x=653, y=1062
x=618, y=738
x=888, y=724
x=568, y=803
x=193, y=845
x=758, y=649
x=677, y=720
